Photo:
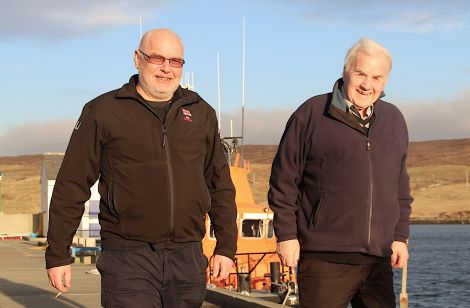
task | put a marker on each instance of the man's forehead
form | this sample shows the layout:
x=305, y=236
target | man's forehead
x=162, y=45
x=377, y=64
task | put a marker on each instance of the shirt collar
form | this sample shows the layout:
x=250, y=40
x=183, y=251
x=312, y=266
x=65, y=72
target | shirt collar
x=344, y=104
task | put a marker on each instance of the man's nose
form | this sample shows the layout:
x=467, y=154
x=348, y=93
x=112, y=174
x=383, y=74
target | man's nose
x=367, y=83
x=166, y=66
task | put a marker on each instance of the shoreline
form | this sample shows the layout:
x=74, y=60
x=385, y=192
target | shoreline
x=438, y=221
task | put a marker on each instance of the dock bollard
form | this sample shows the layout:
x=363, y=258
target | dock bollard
x=275, y=276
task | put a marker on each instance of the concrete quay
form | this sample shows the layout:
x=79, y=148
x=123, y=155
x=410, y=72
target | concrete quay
x=24, y=283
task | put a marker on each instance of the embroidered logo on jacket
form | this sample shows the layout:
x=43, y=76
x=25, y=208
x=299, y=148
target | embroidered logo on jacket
x=78, y=124
x=186, y=115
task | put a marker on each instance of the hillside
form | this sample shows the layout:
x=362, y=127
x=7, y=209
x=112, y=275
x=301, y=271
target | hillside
x=438, y=172
x=423, y=153
x=439, y=152
x=20, y=188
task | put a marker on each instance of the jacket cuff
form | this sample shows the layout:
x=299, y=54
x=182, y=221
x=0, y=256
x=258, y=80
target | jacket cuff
x=400, y=238
x=286, y=237
x=225, y=253
x=57, y=263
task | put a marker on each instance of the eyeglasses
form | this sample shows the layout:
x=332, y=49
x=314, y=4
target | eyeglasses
x=156, y=59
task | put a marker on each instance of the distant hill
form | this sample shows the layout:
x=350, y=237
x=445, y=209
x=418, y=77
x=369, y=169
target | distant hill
x=438, y=174
x=423, y=153
x=437, y=170
x=439, y=152
x=20, y=188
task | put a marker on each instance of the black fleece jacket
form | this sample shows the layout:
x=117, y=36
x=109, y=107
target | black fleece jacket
x=335, y=186
x=157, y=179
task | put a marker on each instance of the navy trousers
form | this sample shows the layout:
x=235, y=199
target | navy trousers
x=335, y=285
x=137, y=274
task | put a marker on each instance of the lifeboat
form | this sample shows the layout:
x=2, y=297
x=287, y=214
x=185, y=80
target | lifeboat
x=257, y=266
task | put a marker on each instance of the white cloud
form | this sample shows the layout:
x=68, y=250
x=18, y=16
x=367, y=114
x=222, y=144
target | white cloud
x=438, y=120
x=34, y=138
x=426, y=121
x=262, y=126
x=417, y=16
x=58, y=19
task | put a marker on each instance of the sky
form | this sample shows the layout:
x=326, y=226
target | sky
x=56, y=55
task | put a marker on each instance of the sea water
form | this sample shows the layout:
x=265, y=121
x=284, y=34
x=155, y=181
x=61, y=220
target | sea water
x=439, y=266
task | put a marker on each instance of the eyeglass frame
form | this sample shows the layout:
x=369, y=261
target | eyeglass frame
x=179, y=62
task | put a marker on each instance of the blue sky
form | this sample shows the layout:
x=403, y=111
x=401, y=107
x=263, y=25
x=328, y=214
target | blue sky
x=58, y=55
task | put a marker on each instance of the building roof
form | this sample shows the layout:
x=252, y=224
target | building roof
x=51, y=164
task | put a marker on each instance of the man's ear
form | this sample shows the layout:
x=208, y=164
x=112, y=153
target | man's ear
x=136, y=59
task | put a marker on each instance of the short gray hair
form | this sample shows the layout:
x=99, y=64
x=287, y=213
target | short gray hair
x=368, y=47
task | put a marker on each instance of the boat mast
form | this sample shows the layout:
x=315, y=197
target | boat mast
x=218, y=89
x=243, y=95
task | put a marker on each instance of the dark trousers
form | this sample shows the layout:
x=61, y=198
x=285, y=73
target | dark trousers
x=334, y=285
x=138, y=274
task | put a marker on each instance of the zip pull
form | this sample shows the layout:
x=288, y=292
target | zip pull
x=164, y=140
x=368, y=146
x=164, y=137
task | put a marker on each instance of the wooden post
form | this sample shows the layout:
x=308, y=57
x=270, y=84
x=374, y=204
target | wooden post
x=403, y=294
x=1, y=199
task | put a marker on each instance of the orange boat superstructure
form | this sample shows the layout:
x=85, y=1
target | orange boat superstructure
x=256, y=244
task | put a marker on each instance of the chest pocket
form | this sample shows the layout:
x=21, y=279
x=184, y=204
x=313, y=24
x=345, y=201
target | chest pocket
x=189, y=141
x=134, y=143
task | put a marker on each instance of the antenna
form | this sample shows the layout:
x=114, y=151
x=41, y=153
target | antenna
x=140, y=24
x=187, y=81
x=231, y=128
x=243, y=93
x=218, y=87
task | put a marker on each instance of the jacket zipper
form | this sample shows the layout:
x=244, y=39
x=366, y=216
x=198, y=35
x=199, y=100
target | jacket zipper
x=368, y=148
x=171, y=192
x=171, y=185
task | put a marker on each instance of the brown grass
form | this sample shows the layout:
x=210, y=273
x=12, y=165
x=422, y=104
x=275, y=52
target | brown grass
x=439, y=191
x=20, y=188
x=437, y=171
x=439, y=152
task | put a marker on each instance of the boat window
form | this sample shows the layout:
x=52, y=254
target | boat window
x=270, y=229
x=252, y=228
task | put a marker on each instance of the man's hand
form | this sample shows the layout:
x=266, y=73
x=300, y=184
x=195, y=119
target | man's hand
x=400, y=255
x=222, y=267
x=60, y=277
x=289, y=252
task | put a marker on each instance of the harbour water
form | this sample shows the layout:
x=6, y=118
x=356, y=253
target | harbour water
x=439, y=266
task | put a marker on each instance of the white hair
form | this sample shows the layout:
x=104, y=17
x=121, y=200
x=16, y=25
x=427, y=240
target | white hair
x=368, y=47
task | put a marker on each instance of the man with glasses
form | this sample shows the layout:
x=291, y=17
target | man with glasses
x=155, y=149
x=340, y=191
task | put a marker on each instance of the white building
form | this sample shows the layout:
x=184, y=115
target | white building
x=89, y=226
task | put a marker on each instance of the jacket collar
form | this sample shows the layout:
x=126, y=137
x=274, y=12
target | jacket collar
x=180, y=97
x=338, y=108
x=338, y=97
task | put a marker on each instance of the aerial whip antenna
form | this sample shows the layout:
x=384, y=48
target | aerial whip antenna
x=243, y=94
x=218, y=88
